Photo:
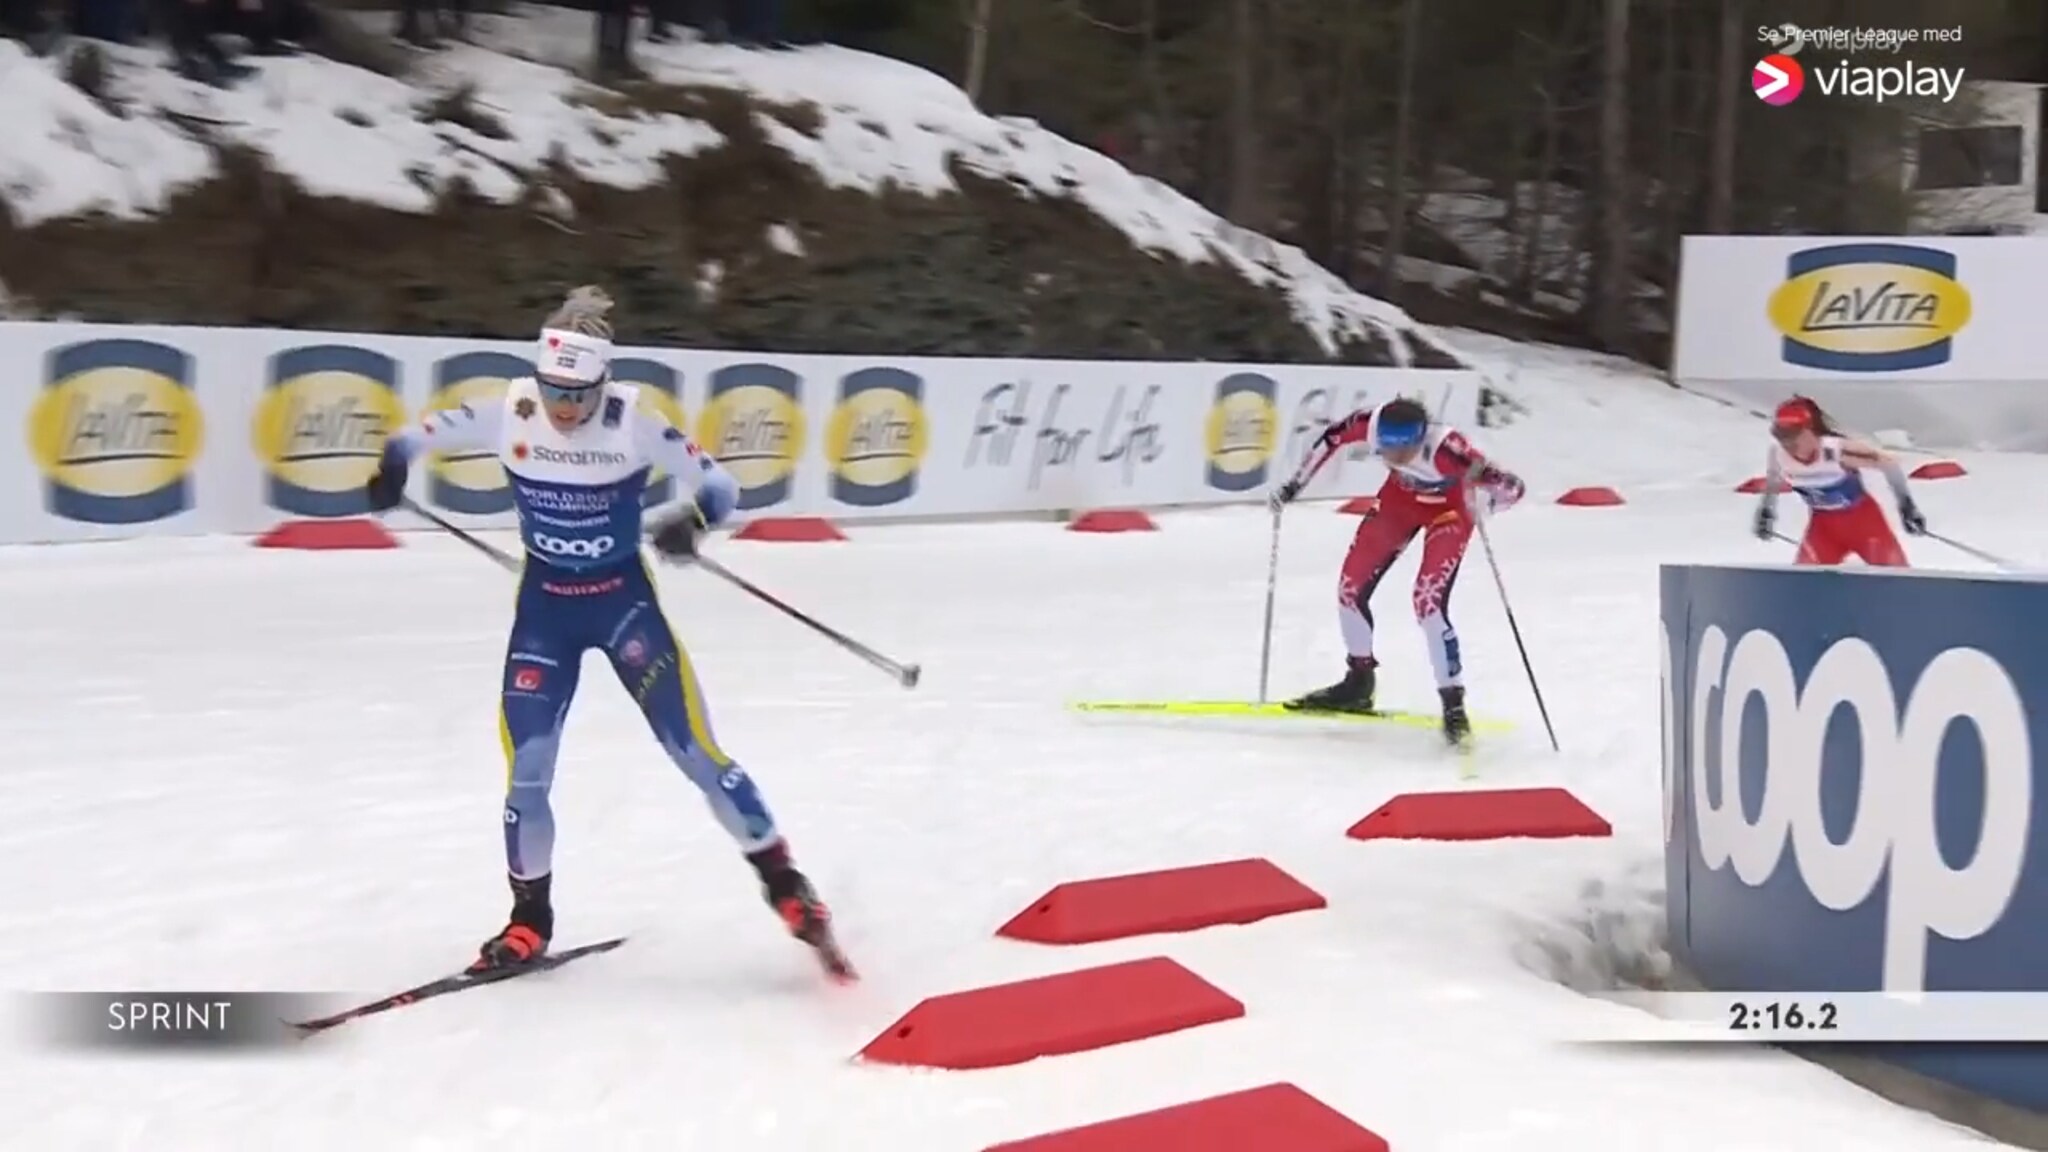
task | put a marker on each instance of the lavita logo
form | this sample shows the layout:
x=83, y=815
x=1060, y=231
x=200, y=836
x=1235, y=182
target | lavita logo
x=1126, y=435
x=1894, y=833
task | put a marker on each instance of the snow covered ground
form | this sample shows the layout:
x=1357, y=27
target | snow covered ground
x=233, y=768
x=873, y=123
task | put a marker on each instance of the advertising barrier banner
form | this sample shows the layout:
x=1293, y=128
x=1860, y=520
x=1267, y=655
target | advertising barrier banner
x=1851, y=767
x=166, y=430
x=1935, y=335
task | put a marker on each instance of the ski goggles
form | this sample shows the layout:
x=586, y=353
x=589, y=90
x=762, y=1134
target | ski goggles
x=565, y=393
x=1399, y=435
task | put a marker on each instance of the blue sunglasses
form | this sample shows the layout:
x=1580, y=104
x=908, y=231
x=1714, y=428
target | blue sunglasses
x=562, y=393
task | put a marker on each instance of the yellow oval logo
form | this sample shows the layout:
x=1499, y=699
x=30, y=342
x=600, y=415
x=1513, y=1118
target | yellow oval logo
x=477, y=471
x=757, y=432
x=323, y=432
x=877, y=437
x=1241, y=433
x=1869, y=308
x=112, y=438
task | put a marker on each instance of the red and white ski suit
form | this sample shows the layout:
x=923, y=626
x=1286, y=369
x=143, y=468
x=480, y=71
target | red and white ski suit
x=1432, y=494
x=1843, y=519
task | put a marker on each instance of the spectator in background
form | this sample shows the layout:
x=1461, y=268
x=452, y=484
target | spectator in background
x=450, y=18
x=754, y=23
x=190, y=25
x=270, y=27
x=116, y=21
x=23, y=20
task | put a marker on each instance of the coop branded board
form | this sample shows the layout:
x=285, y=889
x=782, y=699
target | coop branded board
x=168, y=430
x=1852, y=795
x=1939, y=336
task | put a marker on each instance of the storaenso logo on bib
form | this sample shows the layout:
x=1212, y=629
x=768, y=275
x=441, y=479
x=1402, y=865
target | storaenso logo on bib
x=116, y=432
x=753, y=423
x=472, y=483
x=579, y=547
x=1869, y=307
x=584, y=456
x=1894, y=834
x=321, y=424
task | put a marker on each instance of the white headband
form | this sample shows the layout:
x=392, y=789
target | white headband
x=565, y=355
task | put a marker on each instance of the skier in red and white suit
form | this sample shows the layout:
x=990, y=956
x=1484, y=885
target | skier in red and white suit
x=1825, y=468
x=1435, y=482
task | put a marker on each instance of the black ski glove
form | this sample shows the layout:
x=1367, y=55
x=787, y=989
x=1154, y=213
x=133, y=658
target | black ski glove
x=1284, y=495
x=676, y=537
x=1766, y=523
x=387, y=487
x=1910, y=518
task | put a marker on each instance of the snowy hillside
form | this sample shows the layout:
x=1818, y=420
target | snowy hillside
x=504, y=112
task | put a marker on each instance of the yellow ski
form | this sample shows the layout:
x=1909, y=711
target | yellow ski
x=1248, y=710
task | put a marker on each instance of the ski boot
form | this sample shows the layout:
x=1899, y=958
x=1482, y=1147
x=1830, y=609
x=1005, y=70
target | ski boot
x=1457, y=725
x=789, y=892
x=525, y=938
x=1354, y=693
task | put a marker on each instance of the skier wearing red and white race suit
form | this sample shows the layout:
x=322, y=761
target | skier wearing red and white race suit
x=1824, y=468
x=1436, y=483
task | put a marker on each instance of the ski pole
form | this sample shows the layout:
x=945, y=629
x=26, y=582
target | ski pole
x=1486, y=546
x=503, y=561
x=1978, y=553
x=1272, y=586
x=905, y=674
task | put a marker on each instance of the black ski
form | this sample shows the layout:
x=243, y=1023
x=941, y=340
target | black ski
x=456, y=983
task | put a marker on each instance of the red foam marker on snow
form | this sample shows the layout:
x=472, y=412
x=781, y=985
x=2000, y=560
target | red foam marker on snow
x=1112, y=520
x=1273, y=1118
x=1168, y=900
x=1490, y=814
x=1052, y=1015
x=1939, y=470
x=328, y=535
x=1590, y=498
x=789, y=530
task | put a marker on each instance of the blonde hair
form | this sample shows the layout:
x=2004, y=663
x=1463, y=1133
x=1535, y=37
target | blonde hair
x=583, y=312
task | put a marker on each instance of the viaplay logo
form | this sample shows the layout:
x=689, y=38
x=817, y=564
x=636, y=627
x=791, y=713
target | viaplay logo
x=1778, y=79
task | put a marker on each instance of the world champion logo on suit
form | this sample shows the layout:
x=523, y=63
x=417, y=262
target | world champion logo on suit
x=116, y=432
x=320, y=426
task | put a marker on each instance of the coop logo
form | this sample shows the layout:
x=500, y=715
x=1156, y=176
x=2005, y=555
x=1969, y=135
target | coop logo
x=753, y=423
x=116, y=432
x=1894, y=835
x=1778, y=79
x=472, y=482
x=876, y=438
x=1240, y=432
x=1869, y=307
x=660, y=388
x=320, y=427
